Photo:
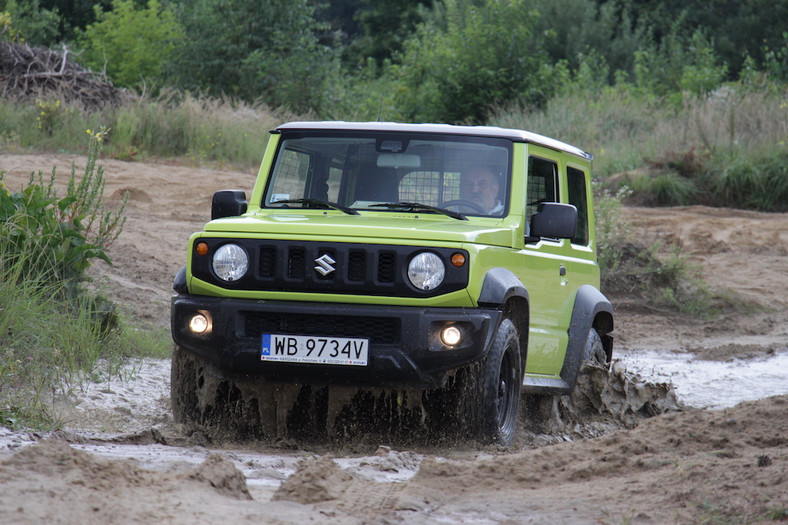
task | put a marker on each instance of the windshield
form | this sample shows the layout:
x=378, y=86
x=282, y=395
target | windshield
x=391, y=172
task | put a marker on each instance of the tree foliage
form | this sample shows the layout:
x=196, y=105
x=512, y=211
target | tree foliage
x=384, y=28
x=266, y=50
x=439, y=60
x=28, y=22
x=468, y=58
x=131, y=43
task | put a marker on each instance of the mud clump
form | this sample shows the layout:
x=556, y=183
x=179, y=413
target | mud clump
x=604, y=400
x=221, y=474
x=315, y=481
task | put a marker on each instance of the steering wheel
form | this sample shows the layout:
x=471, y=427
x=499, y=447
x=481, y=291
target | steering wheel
x=460, y=203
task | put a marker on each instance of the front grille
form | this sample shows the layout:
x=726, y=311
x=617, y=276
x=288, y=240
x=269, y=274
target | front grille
x=357, y=268
x=380, y=330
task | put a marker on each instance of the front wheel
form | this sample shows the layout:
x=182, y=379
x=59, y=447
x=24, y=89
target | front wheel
x=500, y=380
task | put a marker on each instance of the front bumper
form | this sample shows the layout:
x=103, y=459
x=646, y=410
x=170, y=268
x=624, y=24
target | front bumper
x=405, y=349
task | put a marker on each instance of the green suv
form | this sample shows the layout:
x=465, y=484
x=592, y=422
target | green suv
x=453, y=267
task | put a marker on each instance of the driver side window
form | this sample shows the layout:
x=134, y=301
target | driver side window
x=542, y=184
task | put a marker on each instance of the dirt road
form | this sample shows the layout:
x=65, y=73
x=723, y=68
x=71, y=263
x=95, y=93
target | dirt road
x=694, y=465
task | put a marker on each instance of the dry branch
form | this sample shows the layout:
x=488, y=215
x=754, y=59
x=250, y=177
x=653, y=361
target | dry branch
x=39, y=73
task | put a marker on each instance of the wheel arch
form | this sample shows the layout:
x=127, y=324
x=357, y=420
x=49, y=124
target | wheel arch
x=592, y=310
x=502, y=289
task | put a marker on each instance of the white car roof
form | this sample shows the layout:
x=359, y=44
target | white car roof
x=515, y=135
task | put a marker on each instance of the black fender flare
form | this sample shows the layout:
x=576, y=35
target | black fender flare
x=499, y=286
x=179, y=282
x=503, y=290
x=591, y=310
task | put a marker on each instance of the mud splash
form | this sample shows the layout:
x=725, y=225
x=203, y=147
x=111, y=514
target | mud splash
x=604, y=400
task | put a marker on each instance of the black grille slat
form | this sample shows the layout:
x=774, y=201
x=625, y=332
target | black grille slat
x=380, y=330
x=387, y=267
x=296, y=263
x=357, y=266
x=267, y=264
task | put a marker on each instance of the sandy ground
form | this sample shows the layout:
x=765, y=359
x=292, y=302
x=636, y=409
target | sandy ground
x=120, y=459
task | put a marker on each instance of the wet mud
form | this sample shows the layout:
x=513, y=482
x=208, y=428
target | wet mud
x=227, y=408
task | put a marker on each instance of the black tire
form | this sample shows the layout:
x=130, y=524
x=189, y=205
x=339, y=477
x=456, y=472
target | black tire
x=500, y=382
x=184, y=375
x=223, y=407
x=594, y=351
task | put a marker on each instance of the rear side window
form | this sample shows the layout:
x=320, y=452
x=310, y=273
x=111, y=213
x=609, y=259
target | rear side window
x=578, y=197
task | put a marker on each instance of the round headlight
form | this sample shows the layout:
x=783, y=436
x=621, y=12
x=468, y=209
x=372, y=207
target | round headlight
x=426, y=271
x=230, y=262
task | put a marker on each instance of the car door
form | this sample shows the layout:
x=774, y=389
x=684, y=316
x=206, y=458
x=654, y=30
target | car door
x=547, y=274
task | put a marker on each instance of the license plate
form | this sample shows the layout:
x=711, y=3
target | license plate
x=315, y=349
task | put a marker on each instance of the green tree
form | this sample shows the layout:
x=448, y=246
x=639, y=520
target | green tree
x=384, y=28
x=257, y=50
x=30, y=23
x=133, y=43
x=737, y=29
x=468, y=58
x=75, y=14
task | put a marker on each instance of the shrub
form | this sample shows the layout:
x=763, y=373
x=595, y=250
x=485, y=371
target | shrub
x=54, y=334
x=53, y=240
x=130, y=43
x=759, y=183
x=665, y=189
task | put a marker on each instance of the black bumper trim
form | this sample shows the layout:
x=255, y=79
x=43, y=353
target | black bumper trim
x=410, y=356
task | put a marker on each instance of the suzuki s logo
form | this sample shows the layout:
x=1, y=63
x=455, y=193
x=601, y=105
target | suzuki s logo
x=324, y=264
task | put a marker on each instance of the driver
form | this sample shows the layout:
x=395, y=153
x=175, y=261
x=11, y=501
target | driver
x=480, y=186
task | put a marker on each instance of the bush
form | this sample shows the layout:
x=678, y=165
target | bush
x=130, y=43
x=759, y=183
x=53, y=333
x=53, y=240
x=468, y=58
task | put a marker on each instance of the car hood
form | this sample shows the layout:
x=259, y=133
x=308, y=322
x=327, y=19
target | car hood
x=372, y=225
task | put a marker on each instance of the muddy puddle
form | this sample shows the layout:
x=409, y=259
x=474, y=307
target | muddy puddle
x=713, y=384
x=127, y=418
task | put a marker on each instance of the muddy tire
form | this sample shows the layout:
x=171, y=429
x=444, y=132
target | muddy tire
x=594, y=350
x=223, y=407
x=183, y=394
x=500, y=382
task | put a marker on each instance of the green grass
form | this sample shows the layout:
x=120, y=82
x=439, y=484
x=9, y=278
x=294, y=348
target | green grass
x=172, y=125
x=48, y=348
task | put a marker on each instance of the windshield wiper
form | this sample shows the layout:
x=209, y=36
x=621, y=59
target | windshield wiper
x=318, y=202
x=416, y=206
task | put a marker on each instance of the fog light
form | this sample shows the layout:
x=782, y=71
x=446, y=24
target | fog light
x=199, y=324
x=451, y=335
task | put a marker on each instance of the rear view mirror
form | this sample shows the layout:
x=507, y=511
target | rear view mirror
x=554, y=220
x=398, y=160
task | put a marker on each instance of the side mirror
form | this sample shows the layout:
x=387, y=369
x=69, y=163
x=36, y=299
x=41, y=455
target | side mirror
x=554, y=220
x=228, y=203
